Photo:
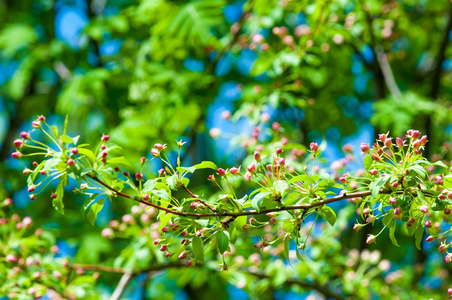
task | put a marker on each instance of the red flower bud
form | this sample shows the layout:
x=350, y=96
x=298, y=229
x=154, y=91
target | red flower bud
x=382, y=137
x=16, y=155
x=142, y=160
x=182, y=255
x=428, y=224
x=314, y=147
x=370, y=239
x=53, y=196
x=429, y=239
x=138, y=176
x=221, y=172
x=35, y=125
x=365, y=147
x=163, y=248
x=399, y=142
x=155, y=152
x=70, y=162
x=251, y=168
x=416, y=144
x=278, y=151
x=18, y=143
x=447, y=211
x=105, y=138
x=257, y=156
x=24, y=135
x=159, y=146
x=234, y=171
x=388, y=142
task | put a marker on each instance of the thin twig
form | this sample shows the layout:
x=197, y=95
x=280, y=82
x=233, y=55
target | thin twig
x=198, y=200
x=388, y=76
x=243, y=213
x=121, y=285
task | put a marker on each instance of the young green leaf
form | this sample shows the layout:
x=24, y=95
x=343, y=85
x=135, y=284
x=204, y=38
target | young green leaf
x=222, y=241
x=198, y=249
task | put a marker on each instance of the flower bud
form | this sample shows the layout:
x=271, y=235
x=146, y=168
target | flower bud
x=182, y=255
x=399, y=142
x=397, y=211
x=35, y=125
x=70, y=162
x=439, y=180
x=448, y=258
x=278, y=151
x=392, y=200
x=16, y=155
x=373, y=172
x=395, y=184
x=442, y=248
x=138, y=176
x=247, y=176
x=257, y=156
x=416, y=144
x=447, y=211
x=54, y=196
x=107, y=233
x=18, y=143
x=142, y=160
x=11, y=258
x=382, y=137
x=366, y=211
x=221, y=172
x=24, y=135
x=423, y=209
x=314, y=147
x=428, y=224
x=388, y=142
x=31, y=188
x=165, y=229
x=365, y=148
x=441, y=197
x=251, y=168
x=163, y=248
x=159, y=146
x=105, y=138
x=234, y=171
x=155, y=152
x=429, y=239
x=370, y=239
x=423, y=140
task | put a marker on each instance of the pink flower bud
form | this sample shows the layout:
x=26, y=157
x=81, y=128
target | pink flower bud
x=162, y=172
x=439, y=180
x=366, y=211
x=373, y=172
x=142, y=160
x=449, y=291
x=107, y=233
x=102, y=147
x=24, y=135
x=247, y=227
x=163, y=248
x=415, y=134
x=18, y=143
x=221, y=172
x=165, y=229
x=276, y=126
x=234, y=171
x=189, y=263
x=365, y=148
x=429, y=239
x=182, y=255
x=138, y=176
x=441, y=197
x=8, y=201
x=105, y=138
x=278, y=151
x=38, y=232
x=272, y=221
x=27, y=221
x=251, y=168
x=448, y=258
x=104, y=153
x=314, y=147
x=35, y=125
x=54, y=196
x=423, y=209
x=442, y=248
x=397, y=211
x=257, y=156
x=31, y=188
x=388, y=142
x=225, y=115
x=159, y=146
x=392, y=200
x=54, y=249
x=11, y=258
x=41, y=118
x=423, y=140
x=70, y=162
x=447, y=211
x=370, y=239
x=74, y=151
x=382, y=137
x=376, y=157
x=416, y=144
x=32, y=291
x=194, y=205
x=399, y=142
x=16, y=155
x=32, y=197
x=155, y=152
x=168, y=254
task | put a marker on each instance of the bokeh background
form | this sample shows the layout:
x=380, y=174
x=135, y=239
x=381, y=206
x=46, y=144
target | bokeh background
x=159, y=71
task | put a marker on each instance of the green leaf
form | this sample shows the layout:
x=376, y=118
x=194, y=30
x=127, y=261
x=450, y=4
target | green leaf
x=88, y=153
x=419, y=234
x=419, y=170
x=329, y=214
x=206, y=165
x=95, y=209
x=171, y=181
x=304, y=178
x=222, y=241
x=368, y=162
x=162, y=194
x=90, y=200
x=239, y=222
x=281, y=186
x=260, y=65
x=440, y=163
x=257, y=201
x=121, y=160
x=58, y=201
x=66, y=139
x=198, y=249
x=392, y=232
x=286, y=246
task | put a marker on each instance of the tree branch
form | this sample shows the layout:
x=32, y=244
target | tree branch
x=388, y=76
x=243, y=213
x=121, y=285
x=198, y=200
